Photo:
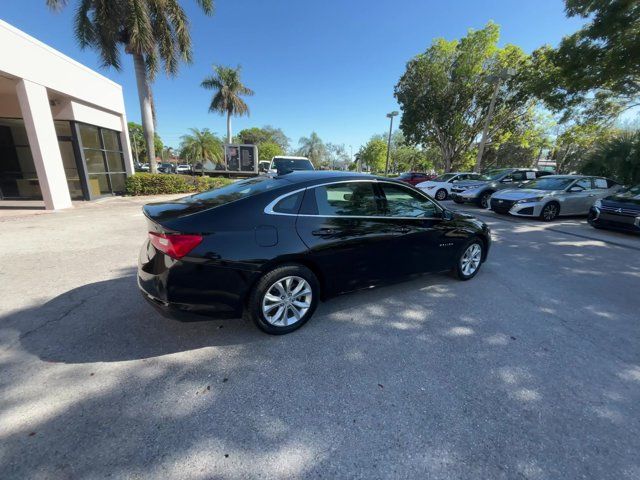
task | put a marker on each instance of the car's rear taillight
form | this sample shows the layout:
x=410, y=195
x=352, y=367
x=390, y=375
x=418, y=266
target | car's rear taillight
x=175, y=245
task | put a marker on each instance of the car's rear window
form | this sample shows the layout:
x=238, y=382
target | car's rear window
x=550, y=183
x=236, y=191
x=291, y=164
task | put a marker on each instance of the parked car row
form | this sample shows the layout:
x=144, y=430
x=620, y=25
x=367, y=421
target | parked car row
x=165, y=167
x=537, y=194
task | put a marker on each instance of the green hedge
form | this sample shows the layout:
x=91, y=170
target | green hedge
x=160, y=183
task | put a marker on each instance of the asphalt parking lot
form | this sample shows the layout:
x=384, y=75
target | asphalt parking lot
x=531, y=370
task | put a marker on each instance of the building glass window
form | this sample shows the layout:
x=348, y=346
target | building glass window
x=102, y=152
x=18, y=177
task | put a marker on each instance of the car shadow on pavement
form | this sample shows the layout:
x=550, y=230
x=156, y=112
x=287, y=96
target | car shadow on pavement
x=109, y=321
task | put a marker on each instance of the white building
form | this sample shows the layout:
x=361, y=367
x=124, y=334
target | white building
x=63, y=127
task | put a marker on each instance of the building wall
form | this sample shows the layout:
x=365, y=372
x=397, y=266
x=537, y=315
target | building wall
x=73, y=92
x=32, y=60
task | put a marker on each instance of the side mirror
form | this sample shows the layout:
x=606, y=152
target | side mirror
x=575, y=189
x=447, y=214
x=506, y=180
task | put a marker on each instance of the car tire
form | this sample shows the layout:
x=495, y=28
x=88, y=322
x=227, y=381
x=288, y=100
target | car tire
x=550, y=212
x=483, y=201
x=458, y=201
x=263, y=305
x=441, y=195
x=469, y=261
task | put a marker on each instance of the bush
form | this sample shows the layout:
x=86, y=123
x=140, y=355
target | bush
x=159, y=183
x=617, y=158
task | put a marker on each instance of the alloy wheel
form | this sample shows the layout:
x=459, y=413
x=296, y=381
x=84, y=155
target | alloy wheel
x=441, y=194
x=471, y=258
x=550, y=212
x=286, y=301
x=484, y=200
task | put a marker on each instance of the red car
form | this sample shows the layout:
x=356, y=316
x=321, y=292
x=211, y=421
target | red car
x=414, y=178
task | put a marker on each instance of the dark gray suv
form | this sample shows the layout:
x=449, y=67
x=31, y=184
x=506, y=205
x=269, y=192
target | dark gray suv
x=480, y=191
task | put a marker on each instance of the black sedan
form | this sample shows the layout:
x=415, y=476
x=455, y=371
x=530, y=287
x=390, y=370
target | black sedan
x=618, y=212
x=271, y=247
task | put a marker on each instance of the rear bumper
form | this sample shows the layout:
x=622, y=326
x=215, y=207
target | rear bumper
x=187, y=313
x=185, y=288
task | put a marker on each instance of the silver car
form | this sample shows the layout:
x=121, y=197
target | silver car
x=554, y=195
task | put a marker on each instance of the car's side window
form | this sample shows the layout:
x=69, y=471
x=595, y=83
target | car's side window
x=347, y=199
x=602, y=183
x=518, y=176
x=290, y=204
x=403, y=202
x=584, y=183
x=454, y=179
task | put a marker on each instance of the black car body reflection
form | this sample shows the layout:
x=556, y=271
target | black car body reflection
x=322, y=232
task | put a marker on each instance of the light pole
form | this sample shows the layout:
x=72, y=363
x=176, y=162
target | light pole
x=503, y=75
x=390, y=117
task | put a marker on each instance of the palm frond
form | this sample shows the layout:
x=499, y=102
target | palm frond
x=56, y=5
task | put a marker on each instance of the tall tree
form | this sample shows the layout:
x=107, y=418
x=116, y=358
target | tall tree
x=373, y=154
x=154, y=32
x=138, y=144
x=200, y=145
x=596, y=70
x=446, y=92
x=268, y=150
x=338, y=158
x=266, y=134
x=313, y=148
x=228, y=90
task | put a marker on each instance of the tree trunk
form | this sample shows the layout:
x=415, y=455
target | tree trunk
x=144, y=94
x=229, y=135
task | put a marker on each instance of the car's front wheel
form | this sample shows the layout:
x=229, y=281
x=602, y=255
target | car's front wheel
x=483, y=201
x=283, y=299
x=470, y=260
x=550, y=211
x=441, y=195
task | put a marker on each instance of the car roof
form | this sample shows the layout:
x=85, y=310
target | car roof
x=301, y=176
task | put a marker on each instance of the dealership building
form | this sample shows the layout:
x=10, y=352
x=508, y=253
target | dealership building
x=63, y=128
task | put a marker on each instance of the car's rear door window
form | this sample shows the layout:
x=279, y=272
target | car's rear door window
x=584, y=183
x=347, y=199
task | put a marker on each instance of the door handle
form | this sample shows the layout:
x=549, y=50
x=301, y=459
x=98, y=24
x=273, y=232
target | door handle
x=403, y=229
x=592, y=194
x=324, y=231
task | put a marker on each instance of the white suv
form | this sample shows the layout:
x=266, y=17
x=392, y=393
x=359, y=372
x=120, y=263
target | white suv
x=283, y=164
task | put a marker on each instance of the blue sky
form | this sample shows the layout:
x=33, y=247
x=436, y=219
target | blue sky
x=324, y=65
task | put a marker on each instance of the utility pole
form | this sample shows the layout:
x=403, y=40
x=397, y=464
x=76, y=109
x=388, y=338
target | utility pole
x=390, y=117
x=505, y=74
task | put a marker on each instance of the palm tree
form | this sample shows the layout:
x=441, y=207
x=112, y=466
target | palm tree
x=153, y=32
x=313, y=148
x=201, y=145
x=229, y=88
